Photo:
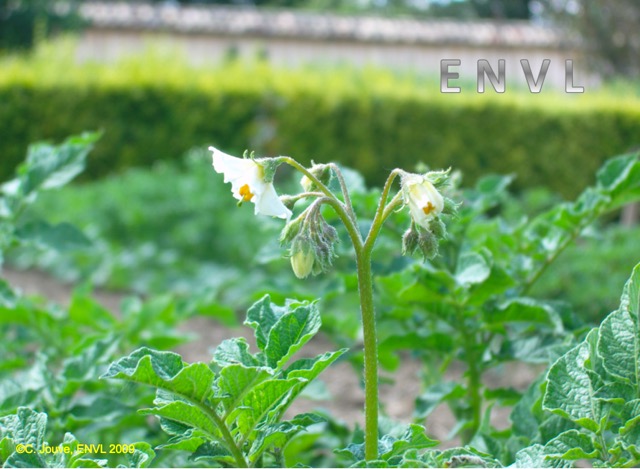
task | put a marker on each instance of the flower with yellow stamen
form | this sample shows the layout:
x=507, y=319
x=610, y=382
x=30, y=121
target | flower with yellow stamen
x=423, y=199
x=248, y=183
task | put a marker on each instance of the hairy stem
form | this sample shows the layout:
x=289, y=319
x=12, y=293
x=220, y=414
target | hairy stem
x=365, y=288
x=344, y=190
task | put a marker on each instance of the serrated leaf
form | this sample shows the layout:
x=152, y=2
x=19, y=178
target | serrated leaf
x=290, y=332
x=165, y=370
x=569, y=392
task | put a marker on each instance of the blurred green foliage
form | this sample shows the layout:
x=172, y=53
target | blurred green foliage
x=154, y=107
x=24, y=23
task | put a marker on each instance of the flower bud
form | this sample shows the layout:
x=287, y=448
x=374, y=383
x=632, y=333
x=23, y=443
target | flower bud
x=321, y=171
x=290, y=231
x=302, y=258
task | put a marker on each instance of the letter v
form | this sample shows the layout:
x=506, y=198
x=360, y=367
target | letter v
x=535, y=85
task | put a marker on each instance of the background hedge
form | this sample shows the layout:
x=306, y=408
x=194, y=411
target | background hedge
x=156, y=107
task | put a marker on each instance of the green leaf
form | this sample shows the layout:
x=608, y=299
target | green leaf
x=142, y=456
x=310, y=368
x=213, y=451
x=278, y=435
x=571, y=445
x=165, y=370
x=535, y=456
x=618, y=346
x=435, y=395
x=472, y=268
x=460, y=457
x=569, y=391
x=49, y=166
x=262, y=316
x=290, y=332
x=236, y=380
x=8, y=297
x=620, y=175
x=262, y=400
x=630, y=431
x=62, y=237
x=186, y=414
x=525, y=310
x=25, y=427
x=413, y=437
x=234, y=351
x=630, y=300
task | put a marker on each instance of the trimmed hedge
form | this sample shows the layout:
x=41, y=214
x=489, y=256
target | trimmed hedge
x=155, y=108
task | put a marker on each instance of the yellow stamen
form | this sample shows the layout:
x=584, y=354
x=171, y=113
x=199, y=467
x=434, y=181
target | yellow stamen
x=245, y=192
x=428, y=209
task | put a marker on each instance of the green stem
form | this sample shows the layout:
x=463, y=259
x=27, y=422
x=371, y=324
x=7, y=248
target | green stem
x=363, y=250
x=365, y=288
x=344, y=190
x=226, y=434
x=339, y=207
x=474, y=385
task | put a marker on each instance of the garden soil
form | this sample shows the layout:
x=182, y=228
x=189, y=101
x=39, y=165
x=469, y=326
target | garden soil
x=345, y=396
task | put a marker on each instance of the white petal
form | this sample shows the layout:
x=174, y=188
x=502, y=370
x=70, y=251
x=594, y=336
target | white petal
x=268, y=203
x=231, y=167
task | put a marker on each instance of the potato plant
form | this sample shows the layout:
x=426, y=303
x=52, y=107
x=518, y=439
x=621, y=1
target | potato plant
x=72, y=377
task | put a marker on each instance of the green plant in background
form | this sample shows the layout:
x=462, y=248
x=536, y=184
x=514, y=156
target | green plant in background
x=25, y=23
x=473, y=303
x=52, y=355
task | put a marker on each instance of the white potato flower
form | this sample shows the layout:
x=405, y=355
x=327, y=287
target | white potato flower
x=423, y=199
x=248, y=185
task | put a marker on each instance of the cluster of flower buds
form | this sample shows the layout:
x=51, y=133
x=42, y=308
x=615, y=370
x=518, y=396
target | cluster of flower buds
x=312, y=242
x=421, y=193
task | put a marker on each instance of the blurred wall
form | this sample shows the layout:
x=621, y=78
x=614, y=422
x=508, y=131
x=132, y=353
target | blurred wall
x=212, y=34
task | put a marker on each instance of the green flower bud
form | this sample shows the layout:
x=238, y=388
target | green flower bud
x=410, y=241
x=302, y=258
x=290, y=230
x=321, y=171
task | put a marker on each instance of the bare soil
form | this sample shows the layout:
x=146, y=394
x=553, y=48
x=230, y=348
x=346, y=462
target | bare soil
x=341, y=381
